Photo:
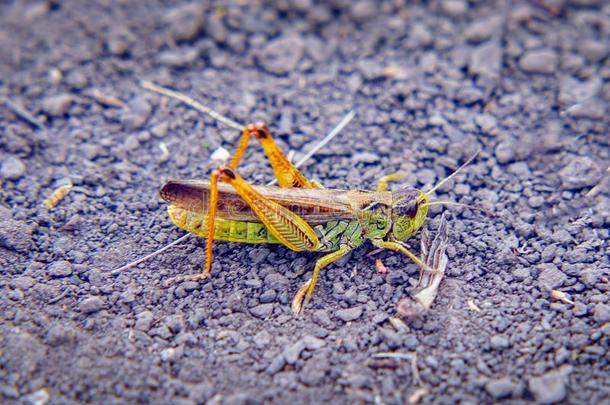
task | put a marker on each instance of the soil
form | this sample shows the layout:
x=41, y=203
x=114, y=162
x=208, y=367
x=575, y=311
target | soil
x=431, y=83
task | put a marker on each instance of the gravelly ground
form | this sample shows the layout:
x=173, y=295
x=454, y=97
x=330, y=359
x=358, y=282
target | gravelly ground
x=528, y=83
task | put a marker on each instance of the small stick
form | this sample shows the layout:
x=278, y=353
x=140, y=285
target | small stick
x=191, y=103
x=22, y=113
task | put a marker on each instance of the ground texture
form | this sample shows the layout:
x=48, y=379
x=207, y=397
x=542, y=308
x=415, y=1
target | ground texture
x=431, y=83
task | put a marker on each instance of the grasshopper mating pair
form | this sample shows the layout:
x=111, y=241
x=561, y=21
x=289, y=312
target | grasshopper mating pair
x=299, y=214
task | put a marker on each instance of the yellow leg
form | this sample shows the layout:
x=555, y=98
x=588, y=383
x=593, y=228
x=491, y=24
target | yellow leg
x=286, y=173
x=382, y=184
x=305, y=292
x=402, y=249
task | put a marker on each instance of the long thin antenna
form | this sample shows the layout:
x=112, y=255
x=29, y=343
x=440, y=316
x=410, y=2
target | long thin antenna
x=452, y=175
x=153, y=254
x=151, y=86
x=192, y=103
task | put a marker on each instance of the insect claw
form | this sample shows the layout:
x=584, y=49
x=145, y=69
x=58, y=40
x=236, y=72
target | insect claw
x=301, y=298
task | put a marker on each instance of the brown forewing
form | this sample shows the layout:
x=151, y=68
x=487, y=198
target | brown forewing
x=314, y=205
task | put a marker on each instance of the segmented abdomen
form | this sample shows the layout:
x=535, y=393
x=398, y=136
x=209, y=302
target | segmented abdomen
x=227, y=230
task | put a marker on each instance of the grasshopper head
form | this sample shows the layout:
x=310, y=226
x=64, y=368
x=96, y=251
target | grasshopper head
x=409, y=210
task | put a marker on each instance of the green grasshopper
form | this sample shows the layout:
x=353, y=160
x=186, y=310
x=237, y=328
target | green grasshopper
x=298, y=214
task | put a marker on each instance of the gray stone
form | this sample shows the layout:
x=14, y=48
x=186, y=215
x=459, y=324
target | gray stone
x=421, y=36
x=500, y=388
x=550, y=277
x=580, y=172
x=61, y=268
x=267, y=296
x=601, y=313
x=293, y=352
x=579, y=309
x=593, y=50
x=144, y=321
x=486, y=122
x=482, y=30
x=539, y=61
x=262, y=311
x=322, y=318
x=282, y=55
x=119, y=41
x=363, y=9
x=349, y=314
x=160, y=130
x=276, y=364
x=185, y=22
x=178, y=57
x=13, y=168
x=499, y=342
x=486, y=60
x=455, y=8
x=548, y=388
x=573, y=90
x=366, y=157
x=521, y=273
x=59, y=335
x=175, y=323
x=39, y=397
x=14, y=235
x=91, y=305
x=57, y=106
x=77, y=79
x=262, y=339
x=23, y=282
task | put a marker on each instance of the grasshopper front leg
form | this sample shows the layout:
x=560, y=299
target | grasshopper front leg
x=305, y=292
x=399, y=247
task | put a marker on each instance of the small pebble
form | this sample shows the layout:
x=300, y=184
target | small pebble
x=499, y=342
x=581, y=171
x=262, y=311
x=455, y=8
x=185, y=22
x=601, y=313
x=548, y=388
x=482, y=30
x=539, y=61
x=13, y=168
x=550, y=277
x=57, y=106
x=91, y=304
x=500, y=388
x=144, y=321
x=61, y=268
x=349, y=314
x=282, y=55
x=178, y=57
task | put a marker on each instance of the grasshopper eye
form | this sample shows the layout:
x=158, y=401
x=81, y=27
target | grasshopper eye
x=409, y=210
x=406, y=202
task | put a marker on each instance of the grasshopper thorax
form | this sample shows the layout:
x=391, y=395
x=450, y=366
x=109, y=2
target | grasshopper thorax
x=409, y=210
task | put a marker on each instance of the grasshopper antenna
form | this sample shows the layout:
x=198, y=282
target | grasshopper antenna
x=192, y=103
x=227, y=121
x=452, y=175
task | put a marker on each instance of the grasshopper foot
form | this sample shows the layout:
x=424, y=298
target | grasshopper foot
x=301, y=298
x=192, y=277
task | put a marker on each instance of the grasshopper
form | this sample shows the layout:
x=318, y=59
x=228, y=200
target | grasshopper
x=299, y=214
